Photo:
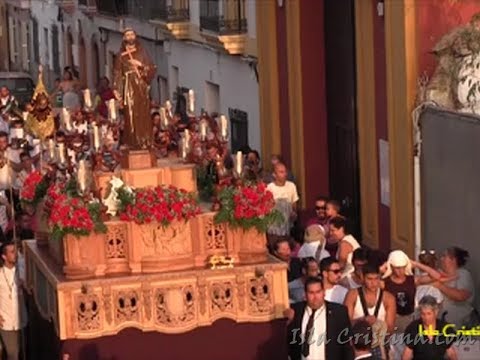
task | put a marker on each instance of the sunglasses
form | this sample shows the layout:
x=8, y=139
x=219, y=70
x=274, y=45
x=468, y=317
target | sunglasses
x=336, y=271
x=320, y=208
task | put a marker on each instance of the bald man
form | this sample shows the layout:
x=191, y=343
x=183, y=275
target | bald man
x=286, y=199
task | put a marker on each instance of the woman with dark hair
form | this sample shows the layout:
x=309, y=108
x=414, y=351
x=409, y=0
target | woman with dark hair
x=460, y=291
x=347, y=244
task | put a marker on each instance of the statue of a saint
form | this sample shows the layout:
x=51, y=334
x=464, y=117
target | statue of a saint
x=133, y=73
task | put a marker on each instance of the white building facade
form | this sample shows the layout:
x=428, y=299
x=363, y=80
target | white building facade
x=205, y=45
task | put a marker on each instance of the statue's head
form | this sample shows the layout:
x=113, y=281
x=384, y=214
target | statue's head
x=129, y=36
x=41, y=101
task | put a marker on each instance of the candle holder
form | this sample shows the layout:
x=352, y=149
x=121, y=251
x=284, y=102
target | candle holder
x=164, y=121
x=87, y=101
x=223, y=128
x=84, y=177
x=203, y=130
x=112, y=110
x=238, y=170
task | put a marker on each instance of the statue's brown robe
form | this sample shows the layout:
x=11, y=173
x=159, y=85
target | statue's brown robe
x=138, y=127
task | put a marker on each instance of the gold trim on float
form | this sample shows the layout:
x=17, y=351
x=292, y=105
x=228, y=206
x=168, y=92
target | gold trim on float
x=366, y=122
x=401, y=59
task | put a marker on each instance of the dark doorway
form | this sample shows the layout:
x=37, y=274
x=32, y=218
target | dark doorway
x=342, y=126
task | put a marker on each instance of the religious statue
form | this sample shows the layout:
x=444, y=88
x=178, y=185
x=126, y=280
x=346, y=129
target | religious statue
x=455, y=84
x=40, y=122
x=133, y=73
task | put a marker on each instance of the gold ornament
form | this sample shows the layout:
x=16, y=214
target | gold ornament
x=40, y=122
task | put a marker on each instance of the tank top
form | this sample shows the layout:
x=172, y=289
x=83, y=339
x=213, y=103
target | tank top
x=358, y=309
x=404, y=294
x=355, y=245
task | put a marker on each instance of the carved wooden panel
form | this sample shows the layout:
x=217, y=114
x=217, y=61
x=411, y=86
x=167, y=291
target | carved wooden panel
x=171, y=302
x=215, y=235
x=175, y=306
x=260, y=300
x=116, y=242
x=127, y=306
x=87, y=308
x=172, y=240
x=221, y=297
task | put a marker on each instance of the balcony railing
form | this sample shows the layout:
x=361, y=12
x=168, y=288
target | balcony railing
x=225, y=17
x=172, y=10
x=166, y=10
x=113, y=7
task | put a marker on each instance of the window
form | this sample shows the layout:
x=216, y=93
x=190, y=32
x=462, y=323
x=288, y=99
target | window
x=239, y=129
x=223, y=16
x=174, y=82
x=112, y=7
x=55, y=50
x=35, y=41
x=163, y=96
x=212, y=95
x=47, y=48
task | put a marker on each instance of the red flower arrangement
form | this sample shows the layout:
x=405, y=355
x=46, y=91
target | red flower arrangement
x=248, y=206
x=159, y=204
x=34, y=188
x=69, y=213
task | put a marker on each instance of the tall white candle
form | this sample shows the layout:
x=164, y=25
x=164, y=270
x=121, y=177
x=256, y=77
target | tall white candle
x=184, y=149
x=87, y=98
x=223, y=126
x=187, y=139
x=51, y=148
x=82, y=175
x=163, y=117
x=191, y=101
x=112, y=110
x=66, y=119
x=61, y=153
x=25, y=115
x=203, y=130
x=168, y=106
x=239, y=162
x=96, y=137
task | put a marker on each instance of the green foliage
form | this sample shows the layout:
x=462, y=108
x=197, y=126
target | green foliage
x=205, y=184
x=125, y=198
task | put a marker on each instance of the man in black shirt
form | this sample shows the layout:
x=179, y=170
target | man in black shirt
x=429, y=338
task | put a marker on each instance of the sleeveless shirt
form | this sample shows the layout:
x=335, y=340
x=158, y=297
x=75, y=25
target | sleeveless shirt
x=404, y=294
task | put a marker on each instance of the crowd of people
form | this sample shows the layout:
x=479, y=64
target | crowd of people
x=385, y=294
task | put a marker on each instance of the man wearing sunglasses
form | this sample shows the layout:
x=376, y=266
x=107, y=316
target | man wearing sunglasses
x=331, y=275
x=320, y=217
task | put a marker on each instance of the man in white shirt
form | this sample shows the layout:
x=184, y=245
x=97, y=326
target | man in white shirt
x=13, y=314
x=331, y=274
x=286, y=198
x=318, y=329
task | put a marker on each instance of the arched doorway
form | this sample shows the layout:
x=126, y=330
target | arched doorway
x=95, y=62
x=83, y=63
